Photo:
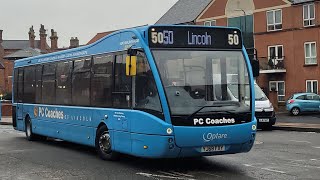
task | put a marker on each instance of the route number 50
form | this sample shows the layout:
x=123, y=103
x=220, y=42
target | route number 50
x=165, y=37
x=233, y=39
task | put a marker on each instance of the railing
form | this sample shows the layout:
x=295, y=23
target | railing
x=272, y=63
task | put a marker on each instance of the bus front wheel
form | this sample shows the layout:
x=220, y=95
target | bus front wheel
x=104, y=144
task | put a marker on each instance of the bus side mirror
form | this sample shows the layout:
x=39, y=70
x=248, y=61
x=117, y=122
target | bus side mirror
x=131, y=65
x=255, y=68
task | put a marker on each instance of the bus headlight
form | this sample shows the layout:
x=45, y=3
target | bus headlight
x=169, y=131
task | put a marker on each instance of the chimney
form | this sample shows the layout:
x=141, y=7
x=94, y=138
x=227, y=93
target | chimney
x=54, y=40
x=31, y=37
x=1, y=36
x=43, y=38
x=74, y=42
x=1, y=48
x=2, y=66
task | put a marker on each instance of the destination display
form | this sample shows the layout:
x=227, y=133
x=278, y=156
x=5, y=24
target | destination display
x=194, y=37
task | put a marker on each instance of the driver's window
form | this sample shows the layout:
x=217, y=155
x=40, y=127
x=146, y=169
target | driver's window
x=146, y=93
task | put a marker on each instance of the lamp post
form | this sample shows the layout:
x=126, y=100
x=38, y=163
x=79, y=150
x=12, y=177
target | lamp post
x=0, y=106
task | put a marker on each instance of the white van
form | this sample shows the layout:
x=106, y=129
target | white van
x=264, y=110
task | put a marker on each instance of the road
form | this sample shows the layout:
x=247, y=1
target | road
x=276, y=155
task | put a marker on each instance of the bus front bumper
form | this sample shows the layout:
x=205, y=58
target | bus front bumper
x=240, y=139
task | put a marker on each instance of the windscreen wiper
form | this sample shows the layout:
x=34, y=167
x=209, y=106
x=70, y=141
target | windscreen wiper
x=201, y=109
x=242, y=114
x=259, y=99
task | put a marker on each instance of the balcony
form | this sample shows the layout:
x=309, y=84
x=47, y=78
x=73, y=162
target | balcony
x=270, y=65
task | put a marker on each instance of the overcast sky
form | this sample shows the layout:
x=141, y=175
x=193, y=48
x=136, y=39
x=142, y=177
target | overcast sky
x=76, y=18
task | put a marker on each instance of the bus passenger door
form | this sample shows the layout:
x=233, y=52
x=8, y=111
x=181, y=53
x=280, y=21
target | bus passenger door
x=19, y=108
x=121, y=99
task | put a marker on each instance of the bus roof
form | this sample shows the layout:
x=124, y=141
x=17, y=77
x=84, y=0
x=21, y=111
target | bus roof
x=116, y=41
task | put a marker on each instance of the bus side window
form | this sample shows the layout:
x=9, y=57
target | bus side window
x=39, y=83
x=122, y=86
x=29, y=84
x=15, y=85
x=48, y=83
x=102, y=80
x=81, y=82
x=20, y=85
x=63, y=86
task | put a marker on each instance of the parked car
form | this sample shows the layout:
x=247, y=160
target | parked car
x=303, y=102
x=264, y=110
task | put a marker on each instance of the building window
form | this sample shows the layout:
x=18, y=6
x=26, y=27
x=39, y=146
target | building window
x=312, y=86
x=275, y=54
x=309, y=15
x=210, y=23
x=310, y=53
x=274, y=20
x=278, y=86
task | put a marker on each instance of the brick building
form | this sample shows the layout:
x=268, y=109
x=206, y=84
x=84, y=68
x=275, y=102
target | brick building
x=11, y=50
x=286, y=35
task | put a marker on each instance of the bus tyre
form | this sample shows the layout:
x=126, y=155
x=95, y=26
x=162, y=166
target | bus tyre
x=30, y=136
x=104, y=144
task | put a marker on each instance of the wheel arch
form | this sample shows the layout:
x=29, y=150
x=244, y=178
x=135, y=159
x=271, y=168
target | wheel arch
x=100, y=125
x=27, y=116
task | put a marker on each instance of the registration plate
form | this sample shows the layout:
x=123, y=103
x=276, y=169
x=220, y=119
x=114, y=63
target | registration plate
x=213, y=148
x=264, y=120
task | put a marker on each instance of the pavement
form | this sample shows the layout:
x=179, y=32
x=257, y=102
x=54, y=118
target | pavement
x=309, y=122
x=6, y=121
x=303, y=123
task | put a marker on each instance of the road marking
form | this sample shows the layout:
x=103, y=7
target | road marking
x=301, y=141
x=258, y=142
x=272, y=170
x=248, y=165
x=173, y=173
x=211, y=174
x=317, y=147
x=293, y=160
x=162, y=176
x=181, y=174
x=252, y=165
x=302, y=166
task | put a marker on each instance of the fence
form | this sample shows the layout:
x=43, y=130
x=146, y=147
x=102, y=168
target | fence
x=272, y=63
